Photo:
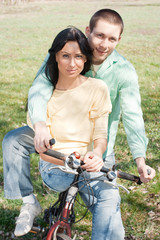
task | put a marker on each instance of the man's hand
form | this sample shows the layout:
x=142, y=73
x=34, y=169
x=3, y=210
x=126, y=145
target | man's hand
x=143, y=170
x=42, y=137
x=92, y=162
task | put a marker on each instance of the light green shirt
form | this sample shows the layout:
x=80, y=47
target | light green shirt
x=122, y=81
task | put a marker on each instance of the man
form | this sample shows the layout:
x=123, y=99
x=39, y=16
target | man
x=104, y=33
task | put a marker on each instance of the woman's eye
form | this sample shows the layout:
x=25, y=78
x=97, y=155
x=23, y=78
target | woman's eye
x=65, y=56
x=79, y=56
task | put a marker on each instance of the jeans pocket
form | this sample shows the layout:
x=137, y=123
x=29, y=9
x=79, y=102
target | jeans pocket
x=44, y=166
x=57, y=180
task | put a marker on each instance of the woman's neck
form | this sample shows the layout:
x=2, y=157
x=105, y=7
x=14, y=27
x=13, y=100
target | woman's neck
x=70, y=83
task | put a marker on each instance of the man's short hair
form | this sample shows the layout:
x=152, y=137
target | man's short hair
x=108, y=15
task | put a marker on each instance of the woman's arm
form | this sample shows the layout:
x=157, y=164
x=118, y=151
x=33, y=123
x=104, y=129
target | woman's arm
x=93, y=161
x=51, y=159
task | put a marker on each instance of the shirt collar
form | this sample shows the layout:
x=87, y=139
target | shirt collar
x=111, y=59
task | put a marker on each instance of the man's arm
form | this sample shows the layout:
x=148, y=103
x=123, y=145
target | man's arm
x=38, y=97
x=130, y=103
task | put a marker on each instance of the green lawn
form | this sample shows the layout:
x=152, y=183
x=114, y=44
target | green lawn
x=26, y=33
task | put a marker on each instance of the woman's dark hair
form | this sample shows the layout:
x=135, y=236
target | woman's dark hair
x=69, y=34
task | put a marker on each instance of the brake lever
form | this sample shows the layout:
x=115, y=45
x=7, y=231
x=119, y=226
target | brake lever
x=116, y=185
x=71, y=163
x=64, y=169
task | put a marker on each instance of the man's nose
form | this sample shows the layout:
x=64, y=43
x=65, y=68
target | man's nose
x=104, y=43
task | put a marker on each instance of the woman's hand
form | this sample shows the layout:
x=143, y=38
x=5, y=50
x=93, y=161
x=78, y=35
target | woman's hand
x=92, y=162
x=42, y=137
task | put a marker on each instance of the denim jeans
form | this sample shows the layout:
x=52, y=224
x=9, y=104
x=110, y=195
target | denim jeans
x=106, y=221
x=16, y=163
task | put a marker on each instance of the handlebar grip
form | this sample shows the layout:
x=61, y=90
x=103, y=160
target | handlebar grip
x=49, y=152
x=52, y=141
x=129, y=177
x=104, y=169
x=55, y=154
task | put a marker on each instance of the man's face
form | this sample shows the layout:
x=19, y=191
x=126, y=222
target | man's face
x=103, y=39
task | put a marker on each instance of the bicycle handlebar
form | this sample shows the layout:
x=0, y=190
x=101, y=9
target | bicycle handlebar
x=110, y=173
x=55, y=154
x=128, y=176
x=124, y=175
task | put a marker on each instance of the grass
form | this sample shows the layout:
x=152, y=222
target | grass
x=27, y=31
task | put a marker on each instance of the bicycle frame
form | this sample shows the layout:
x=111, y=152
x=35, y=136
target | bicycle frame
x=72, y=165
x=64, y=223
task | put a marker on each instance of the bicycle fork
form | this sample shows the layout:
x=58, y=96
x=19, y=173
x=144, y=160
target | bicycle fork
x=63, y=225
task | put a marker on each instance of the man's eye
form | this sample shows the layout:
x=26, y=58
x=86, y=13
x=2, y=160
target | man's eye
x=112, y=39
x=99, y=35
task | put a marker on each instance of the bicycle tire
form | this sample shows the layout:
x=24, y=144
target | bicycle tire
x=62, y=236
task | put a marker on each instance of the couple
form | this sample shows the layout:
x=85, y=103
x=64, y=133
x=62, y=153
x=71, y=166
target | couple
x=104, y=33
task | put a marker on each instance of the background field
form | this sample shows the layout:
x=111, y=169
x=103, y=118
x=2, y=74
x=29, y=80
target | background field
x=26, y=33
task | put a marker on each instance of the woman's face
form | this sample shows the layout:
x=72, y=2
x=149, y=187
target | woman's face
x=70, y=60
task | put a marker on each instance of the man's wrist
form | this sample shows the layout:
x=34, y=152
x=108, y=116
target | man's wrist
x=140, y=161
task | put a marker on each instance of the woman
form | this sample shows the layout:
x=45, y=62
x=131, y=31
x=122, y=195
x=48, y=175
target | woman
x=78, y=110
x=77, y=113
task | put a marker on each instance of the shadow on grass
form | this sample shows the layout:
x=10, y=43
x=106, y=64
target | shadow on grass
x=7, y=219
x=137, y=203
x=7, y=226
x=3, y=124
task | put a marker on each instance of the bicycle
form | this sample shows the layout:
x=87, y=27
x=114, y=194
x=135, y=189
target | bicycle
x=60, y=216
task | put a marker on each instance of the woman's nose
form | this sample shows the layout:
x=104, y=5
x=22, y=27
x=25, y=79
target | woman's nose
x=72, y=62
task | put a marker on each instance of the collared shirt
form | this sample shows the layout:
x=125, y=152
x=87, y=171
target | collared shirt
x=122, y=81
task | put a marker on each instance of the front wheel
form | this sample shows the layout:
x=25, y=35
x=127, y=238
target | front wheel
x=62, y=236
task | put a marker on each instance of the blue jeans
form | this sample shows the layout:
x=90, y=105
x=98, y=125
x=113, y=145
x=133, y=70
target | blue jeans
x=16, y=163
x=106, y=221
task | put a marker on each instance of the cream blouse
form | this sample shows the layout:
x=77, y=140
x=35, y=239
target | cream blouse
x=78, y=116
